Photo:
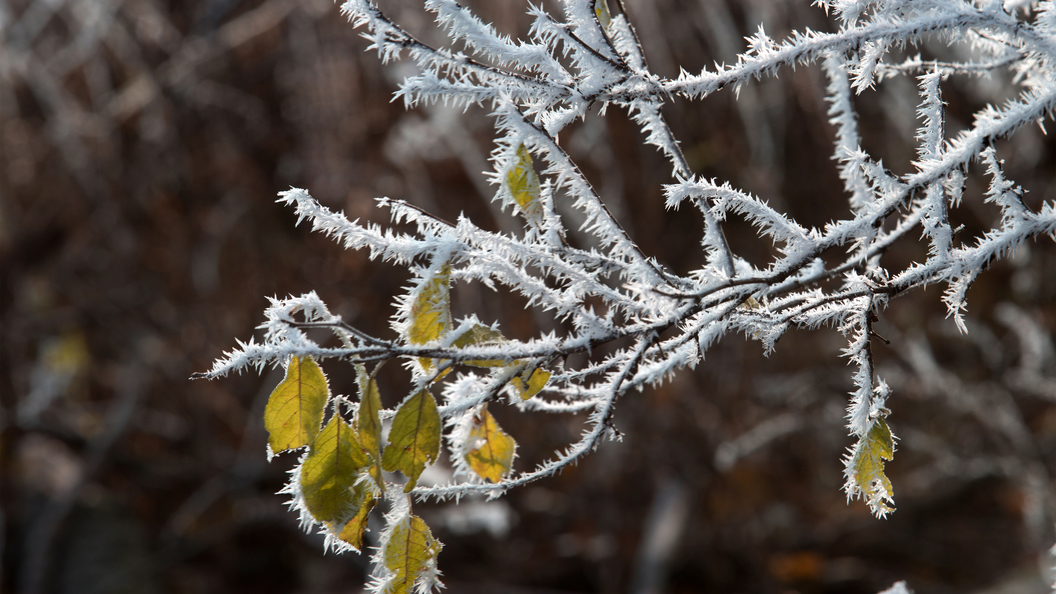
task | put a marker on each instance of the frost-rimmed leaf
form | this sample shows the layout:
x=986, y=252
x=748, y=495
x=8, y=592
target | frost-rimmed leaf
x=430, y=316
x=523, y=184
x=480, y=335
x=332, y=482
x=414, y=439
x=865, y=468
x=489, y=449
x=295, y=408
x=368, y=423
x=530, y=382
x=410, y=554
x=368, y=420
x=353, y=530
x=601, y=8
x=330, y=470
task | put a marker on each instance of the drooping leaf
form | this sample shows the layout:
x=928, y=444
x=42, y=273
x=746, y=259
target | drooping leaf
x=523, y=184
x=414, y=440
x=352, y=533
x=410, y=554
x=490, y=449
x=866, y=468
x=330, y=472
x=535, y=382
x=368, y=422
x=480, y=335
x=295, y=409
x=431, y=312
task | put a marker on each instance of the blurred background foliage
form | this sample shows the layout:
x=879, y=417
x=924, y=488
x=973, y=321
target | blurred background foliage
x=143, y=143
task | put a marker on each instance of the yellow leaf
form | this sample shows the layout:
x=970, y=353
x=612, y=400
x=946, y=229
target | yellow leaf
x=295, y=408
x=491, y=449
x=535, y=383
x=867, y=465
x=330, y=472
x=368, y=423
x=411, y=550
x=523, y=184
x=528, y=383
x=431, y=311
x=353, y=531
x=481, y=335
x=601, y=8
x=414, y=440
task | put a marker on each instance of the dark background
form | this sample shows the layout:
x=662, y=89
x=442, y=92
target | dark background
x=143, y=144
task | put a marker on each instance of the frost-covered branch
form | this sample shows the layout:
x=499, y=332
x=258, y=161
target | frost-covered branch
x=608, y=296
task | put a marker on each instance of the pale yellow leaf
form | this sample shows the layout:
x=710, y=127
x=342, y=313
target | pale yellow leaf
x=867, y=465
x=490, y=449
x=431, y=312
x=480, y=335
x=523, y=184
x=601, y=8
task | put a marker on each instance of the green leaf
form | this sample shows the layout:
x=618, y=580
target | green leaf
x=431, y=312
x=491, y=449
x=523, y=184
x=410, y=553
x=330, y=472
x=867, y=467
x=535, y=382
x=414, y=440
x=368, y=422
x=295, y=408
x=480, y=335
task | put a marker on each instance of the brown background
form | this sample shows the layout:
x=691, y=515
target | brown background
x=143, y=144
